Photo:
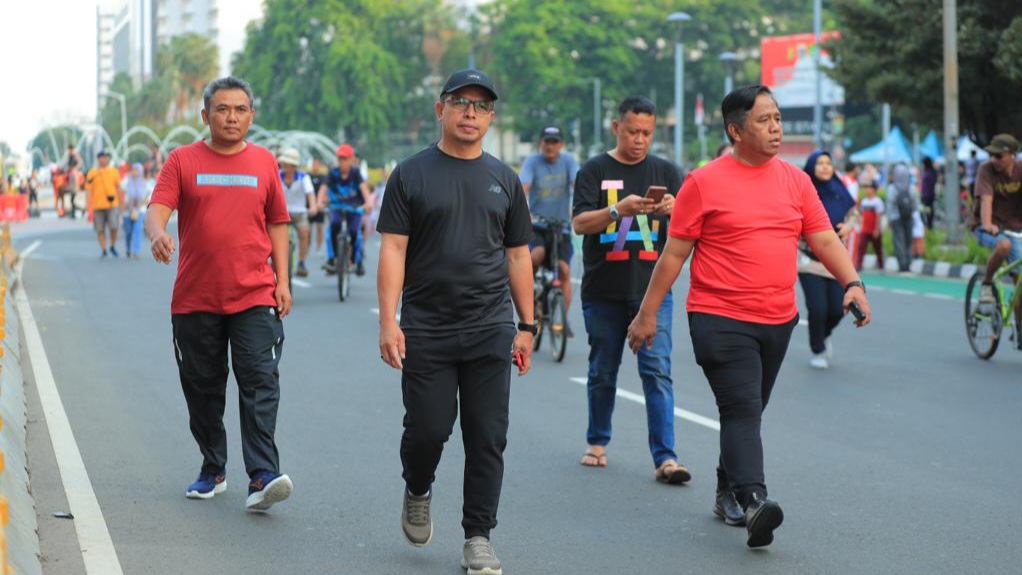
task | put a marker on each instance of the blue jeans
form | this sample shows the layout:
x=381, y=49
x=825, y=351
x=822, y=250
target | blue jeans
x=989, y=240
x=132, y=234
x=607, y=326
x=354, y=218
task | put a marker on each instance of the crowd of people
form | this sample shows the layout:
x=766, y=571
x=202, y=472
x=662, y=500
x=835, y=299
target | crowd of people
x=461, y=237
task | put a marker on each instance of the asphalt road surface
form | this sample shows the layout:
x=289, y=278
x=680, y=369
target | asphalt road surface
x=902, y=458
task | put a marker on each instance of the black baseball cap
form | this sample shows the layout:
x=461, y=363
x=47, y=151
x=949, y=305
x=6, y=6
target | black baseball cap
x=103, y=153
x=468, y=77
x=552, y=133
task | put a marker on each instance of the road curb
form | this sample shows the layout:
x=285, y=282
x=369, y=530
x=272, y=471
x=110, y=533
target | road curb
x=923, y=267
x=19, y=537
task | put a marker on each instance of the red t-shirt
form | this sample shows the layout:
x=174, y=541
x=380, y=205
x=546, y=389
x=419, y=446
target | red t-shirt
x=746, y=222
x=224, y=204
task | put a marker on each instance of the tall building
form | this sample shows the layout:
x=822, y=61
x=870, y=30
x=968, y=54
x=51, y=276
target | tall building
x=130, y=31
x=177, y=17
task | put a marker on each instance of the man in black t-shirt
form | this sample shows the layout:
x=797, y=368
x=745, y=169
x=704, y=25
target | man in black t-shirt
x=625, y=231
x=455, y=232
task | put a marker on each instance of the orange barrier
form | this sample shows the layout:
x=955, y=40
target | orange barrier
x=13, y=208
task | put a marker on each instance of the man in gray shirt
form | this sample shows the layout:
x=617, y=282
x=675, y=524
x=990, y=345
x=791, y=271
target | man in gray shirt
x=548, y=178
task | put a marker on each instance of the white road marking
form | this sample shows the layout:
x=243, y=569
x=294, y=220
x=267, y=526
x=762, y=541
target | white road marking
x=97, y=547
x=301, y=283
x=678, y=412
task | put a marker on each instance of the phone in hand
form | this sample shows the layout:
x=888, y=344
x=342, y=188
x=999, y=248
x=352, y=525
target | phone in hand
x=856, y=311
x=656, y=193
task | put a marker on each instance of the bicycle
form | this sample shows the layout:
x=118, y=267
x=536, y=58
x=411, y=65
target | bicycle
x=985, y=324
x=550, y=308
x=342, y=245
x=292, y=255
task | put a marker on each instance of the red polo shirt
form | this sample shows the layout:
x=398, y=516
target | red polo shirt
x=746, y=222
x=224, y=204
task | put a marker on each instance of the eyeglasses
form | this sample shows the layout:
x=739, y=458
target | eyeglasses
x=482, y=106
x=1000, y=156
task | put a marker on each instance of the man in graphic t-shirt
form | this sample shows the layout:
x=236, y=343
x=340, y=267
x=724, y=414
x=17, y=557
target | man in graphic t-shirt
x=998, y=208
x=624, y=235
x=745, y=212
x=226, y=292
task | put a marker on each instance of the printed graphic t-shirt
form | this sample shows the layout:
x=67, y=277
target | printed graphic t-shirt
x=1007, y=192
x=746, y=222
x=619, y=261
x=460, y=217
x=224, y=203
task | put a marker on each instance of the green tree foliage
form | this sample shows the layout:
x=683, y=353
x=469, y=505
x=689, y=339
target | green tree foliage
x=892, y=51
x=185, y=64
x=352, y=68
x=545, y=54
x=53, y=142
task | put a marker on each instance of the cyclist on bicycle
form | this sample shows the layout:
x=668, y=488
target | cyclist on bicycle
x=548, y=178
x=298, y=192
x=346, y=194
x=999, y=191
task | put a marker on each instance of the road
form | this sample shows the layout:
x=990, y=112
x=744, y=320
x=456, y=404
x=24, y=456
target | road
x=899, y=459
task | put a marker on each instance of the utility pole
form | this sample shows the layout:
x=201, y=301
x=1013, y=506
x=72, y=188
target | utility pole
x=951, y=120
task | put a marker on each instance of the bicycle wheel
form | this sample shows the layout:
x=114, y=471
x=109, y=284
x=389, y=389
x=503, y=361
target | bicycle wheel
x=341, y=263
x=292, y=262
x=537, y=310
x=982, y=326
x=558, y=323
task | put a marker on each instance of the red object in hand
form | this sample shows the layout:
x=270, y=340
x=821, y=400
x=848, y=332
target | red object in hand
x=518, y=360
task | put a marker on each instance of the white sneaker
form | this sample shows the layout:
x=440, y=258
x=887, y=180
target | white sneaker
x=819, y=361
x=829, y=345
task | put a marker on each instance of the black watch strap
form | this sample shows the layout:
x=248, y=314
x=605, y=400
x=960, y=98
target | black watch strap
x=529, y=327
x=856, y=283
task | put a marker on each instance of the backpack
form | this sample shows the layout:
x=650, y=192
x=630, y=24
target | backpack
x=904, y=203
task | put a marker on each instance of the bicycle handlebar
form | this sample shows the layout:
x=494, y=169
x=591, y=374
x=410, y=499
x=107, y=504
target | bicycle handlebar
x=1012, y=234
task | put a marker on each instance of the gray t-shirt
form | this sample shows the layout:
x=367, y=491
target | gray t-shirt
x=550, y=184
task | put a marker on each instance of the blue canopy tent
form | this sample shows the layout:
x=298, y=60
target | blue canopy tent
x=893, y=149
x=931, y=148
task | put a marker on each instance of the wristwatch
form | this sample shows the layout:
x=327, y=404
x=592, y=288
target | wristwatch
x=856, y=283
x=529, y=327
x=614, y=214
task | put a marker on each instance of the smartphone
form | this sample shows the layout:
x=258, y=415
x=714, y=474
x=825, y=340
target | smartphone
x=856, y=311
x=656, y=193
x=518, y=360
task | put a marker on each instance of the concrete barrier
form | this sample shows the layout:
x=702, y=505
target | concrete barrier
x=19, y=537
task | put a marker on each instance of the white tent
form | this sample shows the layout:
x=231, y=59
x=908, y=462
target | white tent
x=965, y=148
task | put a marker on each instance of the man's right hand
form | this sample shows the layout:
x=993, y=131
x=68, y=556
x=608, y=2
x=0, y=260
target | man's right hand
x=635, y=204
x=991, y=229
x=392, y=344
x=164, y=248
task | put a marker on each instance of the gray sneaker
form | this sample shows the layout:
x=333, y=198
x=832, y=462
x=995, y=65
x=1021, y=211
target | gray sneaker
x=415, y=519
x=479, y=558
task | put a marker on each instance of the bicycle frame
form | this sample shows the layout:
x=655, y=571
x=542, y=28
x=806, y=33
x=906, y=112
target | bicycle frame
x=1008, y=306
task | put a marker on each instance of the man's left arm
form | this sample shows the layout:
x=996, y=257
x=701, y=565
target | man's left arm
x=278, y=255
x=519, y=264
x=833, y=254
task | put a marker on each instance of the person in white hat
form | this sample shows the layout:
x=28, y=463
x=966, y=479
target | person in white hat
x=301, y=201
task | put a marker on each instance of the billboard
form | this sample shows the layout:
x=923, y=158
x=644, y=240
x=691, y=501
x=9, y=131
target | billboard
x=789, y=70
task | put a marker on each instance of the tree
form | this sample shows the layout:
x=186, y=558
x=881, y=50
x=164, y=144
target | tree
x=356, y=68
x=893, y=52
x=186, y=63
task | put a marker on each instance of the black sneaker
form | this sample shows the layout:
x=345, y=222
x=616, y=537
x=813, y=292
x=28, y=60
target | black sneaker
x=727, y=508
x=113, y=251
x=330, y=266
x=762, y=516
x=360, y=269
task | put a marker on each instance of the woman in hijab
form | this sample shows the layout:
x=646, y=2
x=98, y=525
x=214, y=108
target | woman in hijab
x=823, y=294
x=134, y=199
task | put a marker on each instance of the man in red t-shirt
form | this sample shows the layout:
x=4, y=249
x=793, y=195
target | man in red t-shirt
x=745, y=212
x=232, y=217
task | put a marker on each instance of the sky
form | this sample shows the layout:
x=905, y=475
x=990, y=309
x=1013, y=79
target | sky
x=48, y=60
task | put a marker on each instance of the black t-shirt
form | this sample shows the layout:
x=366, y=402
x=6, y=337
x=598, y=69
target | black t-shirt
x=459, y=216
x=619, y=260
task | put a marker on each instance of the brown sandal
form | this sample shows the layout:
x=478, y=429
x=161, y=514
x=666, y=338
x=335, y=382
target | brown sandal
x=599, y=459
x=673, y=473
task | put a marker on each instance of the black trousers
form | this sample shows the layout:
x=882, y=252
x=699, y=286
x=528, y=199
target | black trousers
x=256, y=338
x=824, y=300
x=741, y=361
x=441, y=371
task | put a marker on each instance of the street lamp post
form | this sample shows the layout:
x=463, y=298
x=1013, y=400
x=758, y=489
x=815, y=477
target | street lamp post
x=121, y=99
x=597, y=113
x=728, y=58
x=950, y=26
x=679, y=78
x=817, y=77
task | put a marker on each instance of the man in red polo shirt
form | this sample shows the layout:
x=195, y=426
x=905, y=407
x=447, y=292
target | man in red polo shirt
x=745, y=212
x=232, y=217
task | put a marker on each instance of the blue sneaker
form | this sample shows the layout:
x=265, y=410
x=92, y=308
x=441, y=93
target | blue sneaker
x=267, y=488
x=113, y=251
x=207, y=485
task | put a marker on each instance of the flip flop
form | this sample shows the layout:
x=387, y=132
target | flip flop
x=673, y=473
x=601, y=459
